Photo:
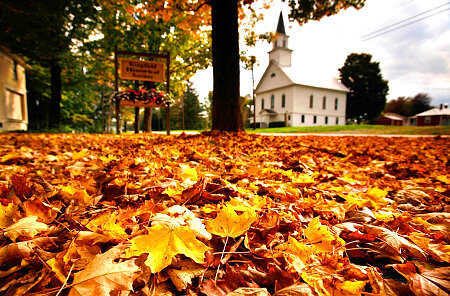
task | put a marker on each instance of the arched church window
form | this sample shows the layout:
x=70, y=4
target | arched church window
x=272, y=102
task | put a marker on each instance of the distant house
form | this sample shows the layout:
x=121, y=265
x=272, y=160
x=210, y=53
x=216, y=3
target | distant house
x=391, y=119
x=432, y=117
x=291, y=95
x=13, y=100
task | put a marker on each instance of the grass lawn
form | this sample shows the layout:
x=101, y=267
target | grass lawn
x=360, y=129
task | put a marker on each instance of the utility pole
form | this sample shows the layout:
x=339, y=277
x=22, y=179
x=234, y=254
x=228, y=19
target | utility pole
x=254, y=99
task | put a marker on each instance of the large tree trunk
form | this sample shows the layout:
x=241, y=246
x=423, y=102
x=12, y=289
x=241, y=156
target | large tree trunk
x=226, y=111
x=55, y=73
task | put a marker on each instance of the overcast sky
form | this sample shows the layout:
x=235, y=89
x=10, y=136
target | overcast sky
x=414, y=59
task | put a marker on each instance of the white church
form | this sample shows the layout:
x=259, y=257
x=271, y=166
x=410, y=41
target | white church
x=289, y=95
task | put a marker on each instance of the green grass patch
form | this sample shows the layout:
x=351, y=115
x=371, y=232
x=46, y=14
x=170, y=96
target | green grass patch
x=360, y=129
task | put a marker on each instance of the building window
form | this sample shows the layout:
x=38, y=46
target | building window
x=315, y=119
x=272, y=102
x=289, y=117
x=427, y=119
x=15, y=75
x=272, y=75
x=284, y=43
x=326, y=119
x=324, y=103
x=276, y=43
x=337, y=120
x=262, y=104
x=311, y=101
x=303, y=118
x=283, y=101
x=336, y=103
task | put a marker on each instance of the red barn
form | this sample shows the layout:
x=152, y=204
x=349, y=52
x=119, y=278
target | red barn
x=391, y=119
x=435, y=116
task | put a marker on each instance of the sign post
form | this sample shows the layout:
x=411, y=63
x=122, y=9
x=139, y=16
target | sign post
x=141, y=71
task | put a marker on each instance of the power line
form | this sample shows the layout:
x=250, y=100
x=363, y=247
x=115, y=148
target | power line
x=368, y=36
x=407, y=24
x=403, y=3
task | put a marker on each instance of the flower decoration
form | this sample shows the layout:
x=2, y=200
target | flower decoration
x=144, y=96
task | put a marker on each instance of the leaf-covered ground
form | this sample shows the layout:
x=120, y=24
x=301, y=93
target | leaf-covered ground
x=224, y=214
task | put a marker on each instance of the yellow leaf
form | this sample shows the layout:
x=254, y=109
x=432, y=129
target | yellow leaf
x=173, y=191
x=316, y=232
x=7, y=214
x=162, y=243
x=106, y=223
x=444, y=179
x=69, y=189
x=439, y=252
x=349, y=288
x=298, y=253
x=323, y=240
x=81, y=154
x=57, y=269
x=377, y=197
x=188, y=173
x=28, y=227
x=232, y=221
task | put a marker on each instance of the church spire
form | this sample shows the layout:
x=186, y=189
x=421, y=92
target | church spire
x=280, y=51
x=280, y=26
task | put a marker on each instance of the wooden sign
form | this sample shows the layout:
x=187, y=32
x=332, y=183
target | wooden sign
x=142, y=70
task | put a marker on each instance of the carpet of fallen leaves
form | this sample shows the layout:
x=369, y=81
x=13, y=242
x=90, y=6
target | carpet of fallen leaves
x=224, y=214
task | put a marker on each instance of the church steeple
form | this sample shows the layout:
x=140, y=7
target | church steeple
x=280, y=26
x=280, y=52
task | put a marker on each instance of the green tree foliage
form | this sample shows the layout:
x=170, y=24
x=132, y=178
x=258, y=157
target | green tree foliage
x=420, y=103
x=75, y=41
x=45, y=32
x=409, y=106
x=304, y=10
x=367, y=96
x=187, y=113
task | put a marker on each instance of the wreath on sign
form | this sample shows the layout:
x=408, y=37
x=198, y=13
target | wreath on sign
x=143, y=96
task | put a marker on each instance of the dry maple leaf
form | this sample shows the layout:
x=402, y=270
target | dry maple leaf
x=7, y=214
x=106, y=223
x=299, y=289
x=395, y=241
x=27, y=227
x=103, y=275
x=425, y=282
x=162, y=243
x=185, y=271
x=298, y=253
x=325, y=283
x=232, y=221
x=321, y=237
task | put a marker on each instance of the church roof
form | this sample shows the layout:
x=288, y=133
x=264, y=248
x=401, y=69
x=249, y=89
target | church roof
x=280, y=26
x=305, y=77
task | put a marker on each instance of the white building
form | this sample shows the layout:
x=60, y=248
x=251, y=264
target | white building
x=290, y=95
x=13, y=98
